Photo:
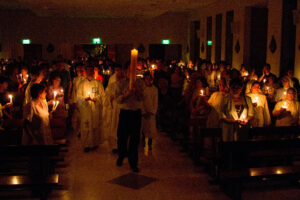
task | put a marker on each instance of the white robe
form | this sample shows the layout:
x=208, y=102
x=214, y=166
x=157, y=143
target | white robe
x=90, y=112
x=28, y=98
x=111, y=113
x=231, y=131
x=281, y=94
x=74, y=96
x=261, y=111
x=215, y=101
x=290, y=120
x=39, y=122
x=150, y=105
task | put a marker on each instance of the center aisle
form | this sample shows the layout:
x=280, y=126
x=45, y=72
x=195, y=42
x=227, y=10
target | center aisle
x=165, y=174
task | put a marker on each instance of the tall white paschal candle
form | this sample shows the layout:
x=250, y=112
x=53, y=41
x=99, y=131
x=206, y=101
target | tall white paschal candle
x=132, y=70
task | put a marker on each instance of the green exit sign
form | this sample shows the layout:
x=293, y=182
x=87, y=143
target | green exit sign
x=26, y=41
x=209, y=42
x=165, y=41
x=96, y=40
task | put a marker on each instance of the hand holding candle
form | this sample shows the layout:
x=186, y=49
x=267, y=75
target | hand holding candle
x=54, y=94
x=201, y=93
x=10, y=98
x=284, y=105
x=55, y=104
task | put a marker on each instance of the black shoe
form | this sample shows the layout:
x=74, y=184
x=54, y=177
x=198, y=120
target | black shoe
x=86, y=149
x=94, y=148
x=114, y=151
x=135, y=169
x=120, y=162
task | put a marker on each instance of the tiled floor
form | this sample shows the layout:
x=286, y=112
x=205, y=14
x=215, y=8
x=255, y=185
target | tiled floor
x=165, y=174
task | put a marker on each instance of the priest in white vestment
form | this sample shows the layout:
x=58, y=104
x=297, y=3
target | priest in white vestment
x=90, y=101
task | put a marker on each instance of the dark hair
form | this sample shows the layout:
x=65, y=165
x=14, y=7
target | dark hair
x=3, y=79
x=36, y=89
x=53, y=76
x=267, y=65
x=37, y=71
x=236, y=83
x=291, y=88
x=147, y=73
x=255, y=82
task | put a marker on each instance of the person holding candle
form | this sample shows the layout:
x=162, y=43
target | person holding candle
x=281, y=93
x=55, y=95
x=90, y=96
x=198, y=104
x=236, y=112
x=38, y=118
x=76, y=118
x=266, y=73
x=129, y=100
x=252, y=75
x=112, y=111
x=287, y=112
x=261, y=115
x=215, y=101
x=244, y=72
x=37, y=77
x=55, y=92
x=149, y=110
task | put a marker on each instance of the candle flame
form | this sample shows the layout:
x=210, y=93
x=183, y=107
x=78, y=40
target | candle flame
x=284, y=105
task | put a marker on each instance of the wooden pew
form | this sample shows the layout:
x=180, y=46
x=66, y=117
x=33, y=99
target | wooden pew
x=39, y=186
x=197, y=143
x=37, y=171
x=255, y=161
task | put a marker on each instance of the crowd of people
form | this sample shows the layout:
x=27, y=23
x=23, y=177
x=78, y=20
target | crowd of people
x=93, y=97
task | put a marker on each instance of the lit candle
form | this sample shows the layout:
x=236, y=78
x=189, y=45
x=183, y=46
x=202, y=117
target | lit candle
x=255, y=100
x=265, y=80
x=55, y=104
x=243, y=117
x=10, y=98
x=201, y=92
x=268, y=88
x=21, y=76
x=284, y=93
x=133, y=65
x=89, y=94
x=27, y=75
x=25, y=81
x=246, y=74
x=284, y=105
x=54, y=93
x=62, y=91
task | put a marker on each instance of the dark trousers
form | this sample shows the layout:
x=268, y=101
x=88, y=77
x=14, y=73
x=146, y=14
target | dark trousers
x=129, y=129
